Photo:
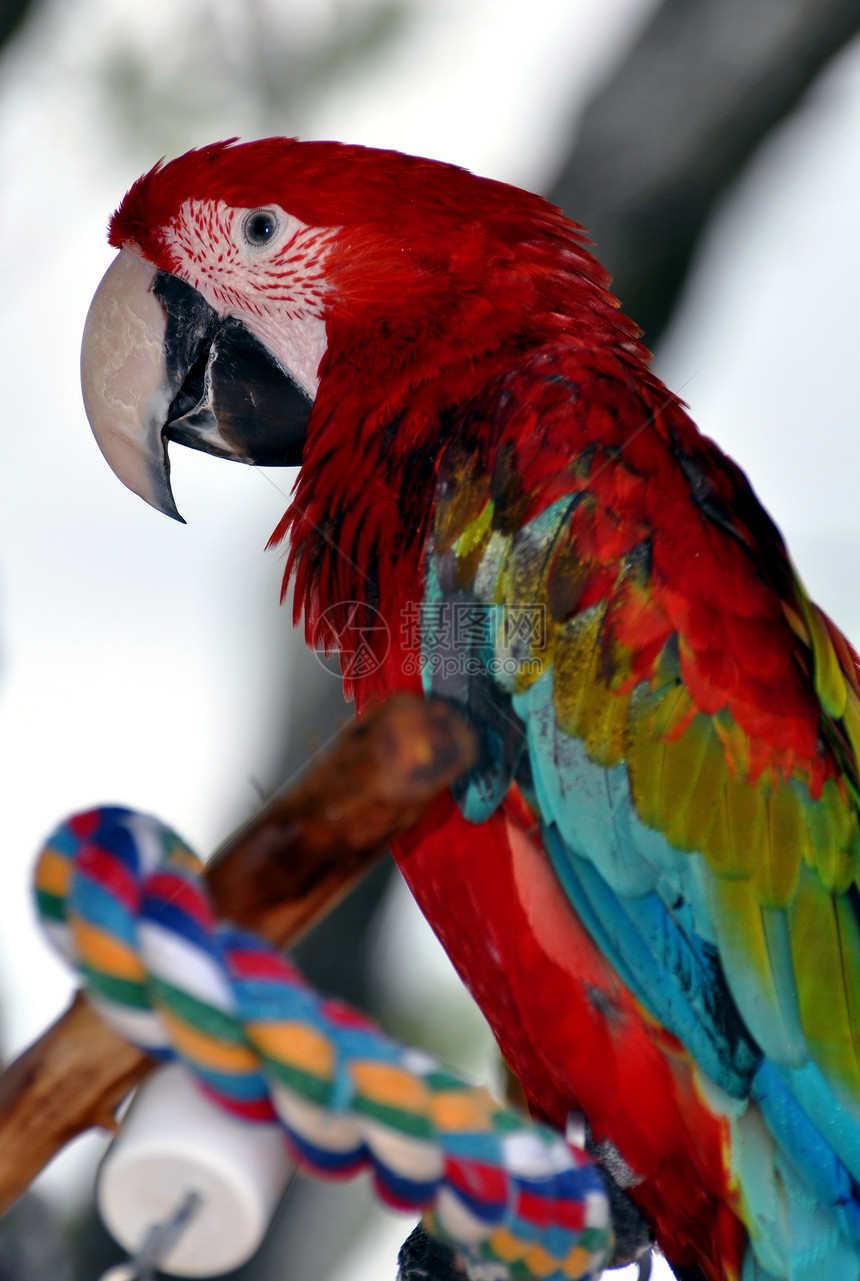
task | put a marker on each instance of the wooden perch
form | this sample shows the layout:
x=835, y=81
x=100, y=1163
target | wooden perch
x=276, y=876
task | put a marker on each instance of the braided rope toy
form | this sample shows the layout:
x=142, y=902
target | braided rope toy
x=123, y=899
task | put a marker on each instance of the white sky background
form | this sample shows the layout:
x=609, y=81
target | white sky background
x=142, y=662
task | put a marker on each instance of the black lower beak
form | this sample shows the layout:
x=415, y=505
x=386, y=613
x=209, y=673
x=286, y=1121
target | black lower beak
x=233, y=398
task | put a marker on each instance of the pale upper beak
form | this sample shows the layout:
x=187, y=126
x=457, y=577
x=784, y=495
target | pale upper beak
x=159, y=364
x=127, y=392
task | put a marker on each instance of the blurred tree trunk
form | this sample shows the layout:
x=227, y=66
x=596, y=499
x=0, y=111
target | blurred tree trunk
x=32, y=1244
x=676, y=123
x=12, y=15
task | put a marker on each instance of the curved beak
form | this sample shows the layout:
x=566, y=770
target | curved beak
x=159, y=364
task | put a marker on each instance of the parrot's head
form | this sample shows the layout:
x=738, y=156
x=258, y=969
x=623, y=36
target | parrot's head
x=246, y=273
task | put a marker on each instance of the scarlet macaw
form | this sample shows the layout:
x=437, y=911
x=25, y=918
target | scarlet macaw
x=649, y=880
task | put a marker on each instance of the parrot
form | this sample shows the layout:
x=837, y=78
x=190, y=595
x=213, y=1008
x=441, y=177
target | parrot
x=648, y=879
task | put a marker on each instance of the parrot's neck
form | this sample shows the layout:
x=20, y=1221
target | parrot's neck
x=360, y=519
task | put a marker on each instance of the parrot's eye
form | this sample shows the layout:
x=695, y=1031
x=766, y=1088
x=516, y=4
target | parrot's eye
x=260, y=227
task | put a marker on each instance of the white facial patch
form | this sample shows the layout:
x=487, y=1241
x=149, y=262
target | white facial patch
x=278, y=289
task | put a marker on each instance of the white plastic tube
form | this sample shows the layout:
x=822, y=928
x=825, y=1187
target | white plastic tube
x=174, y=1141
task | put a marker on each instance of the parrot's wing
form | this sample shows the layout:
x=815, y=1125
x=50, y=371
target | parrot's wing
x=609, y=601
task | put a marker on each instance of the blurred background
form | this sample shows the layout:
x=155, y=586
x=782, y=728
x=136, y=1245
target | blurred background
x=710, y=146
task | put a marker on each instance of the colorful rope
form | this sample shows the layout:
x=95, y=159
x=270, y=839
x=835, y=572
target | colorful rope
x=122, y=897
